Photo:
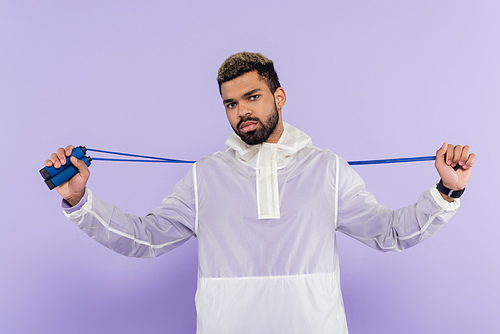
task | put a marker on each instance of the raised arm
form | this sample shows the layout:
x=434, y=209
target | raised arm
x=363, y=218
x=162, y=229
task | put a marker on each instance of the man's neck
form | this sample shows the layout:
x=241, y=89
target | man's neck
x=277, y=133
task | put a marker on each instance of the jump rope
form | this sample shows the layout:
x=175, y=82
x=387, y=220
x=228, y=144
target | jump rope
x=54, y=177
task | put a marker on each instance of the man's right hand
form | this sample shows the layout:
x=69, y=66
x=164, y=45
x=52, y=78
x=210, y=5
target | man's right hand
x=74, y=189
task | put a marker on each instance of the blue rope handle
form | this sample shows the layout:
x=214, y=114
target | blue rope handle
x=146, y=158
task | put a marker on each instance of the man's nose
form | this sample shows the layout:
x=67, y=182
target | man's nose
x=244, y=109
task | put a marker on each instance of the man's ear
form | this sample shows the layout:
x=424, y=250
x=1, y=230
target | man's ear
x=280, y=97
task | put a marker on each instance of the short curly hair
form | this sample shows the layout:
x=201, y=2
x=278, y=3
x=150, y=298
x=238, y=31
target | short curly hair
x=244, y=62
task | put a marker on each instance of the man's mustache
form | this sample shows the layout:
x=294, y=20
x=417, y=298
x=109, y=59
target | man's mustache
x=246, y=119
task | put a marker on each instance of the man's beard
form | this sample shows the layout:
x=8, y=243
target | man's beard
x=262, y=133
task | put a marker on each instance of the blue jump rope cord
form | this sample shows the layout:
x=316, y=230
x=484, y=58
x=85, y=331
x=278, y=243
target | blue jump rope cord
x=166, y=160
x=146, y=158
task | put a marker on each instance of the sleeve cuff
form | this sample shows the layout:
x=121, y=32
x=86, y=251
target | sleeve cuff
x=449, y=206
x=67, y=208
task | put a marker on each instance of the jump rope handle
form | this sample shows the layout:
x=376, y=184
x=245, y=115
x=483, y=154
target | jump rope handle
x=54, y=177
x=48, y=172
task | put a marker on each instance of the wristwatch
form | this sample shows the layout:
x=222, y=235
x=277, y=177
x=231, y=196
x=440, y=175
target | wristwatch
x=449, y=192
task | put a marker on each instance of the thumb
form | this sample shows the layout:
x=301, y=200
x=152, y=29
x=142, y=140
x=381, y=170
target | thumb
x=440, y=154
x=83, y=170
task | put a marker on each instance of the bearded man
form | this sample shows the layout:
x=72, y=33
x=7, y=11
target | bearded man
x=265, y=212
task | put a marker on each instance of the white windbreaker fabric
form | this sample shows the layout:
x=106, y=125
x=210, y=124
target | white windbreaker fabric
x=265, y=218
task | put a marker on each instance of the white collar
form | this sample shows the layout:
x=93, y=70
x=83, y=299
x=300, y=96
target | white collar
x=291, y=141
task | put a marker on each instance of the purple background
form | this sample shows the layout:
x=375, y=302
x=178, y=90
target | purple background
x=366, y=79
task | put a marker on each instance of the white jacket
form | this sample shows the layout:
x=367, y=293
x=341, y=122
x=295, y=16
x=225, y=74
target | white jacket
x=265, y=218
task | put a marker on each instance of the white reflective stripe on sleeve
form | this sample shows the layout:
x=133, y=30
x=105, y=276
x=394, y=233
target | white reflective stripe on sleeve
x=427, y=224
x=87, y=208
x=416, y=233
x=131, y=237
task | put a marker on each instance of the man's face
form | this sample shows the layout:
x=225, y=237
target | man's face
x=251, y=109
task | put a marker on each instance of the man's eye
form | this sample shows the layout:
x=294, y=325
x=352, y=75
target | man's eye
x=231, y=105
x=254, y=97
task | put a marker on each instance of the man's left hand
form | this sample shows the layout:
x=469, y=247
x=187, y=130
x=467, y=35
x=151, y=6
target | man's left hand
x=448, y=157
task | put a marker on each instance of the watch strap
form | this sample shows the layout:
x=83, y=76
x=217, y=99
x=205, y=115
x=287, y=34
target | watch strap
x=447, y=191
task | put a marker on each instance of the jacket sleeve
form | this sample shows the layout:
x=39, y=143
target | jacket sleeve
x=361, y=217
x=160, y=231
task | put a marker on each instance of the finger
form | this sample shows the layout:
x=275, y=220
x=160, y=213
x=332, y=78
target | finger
x=457, y=153
x=470, y=161
x=55, y=160
x=61, y=155
x=449, y=154
x=465, y=155
x=48, y=163
x=68, y=150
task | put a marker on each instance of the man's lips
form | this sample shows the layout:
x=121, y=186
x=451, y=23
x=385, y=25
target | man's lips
x=248, y=126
